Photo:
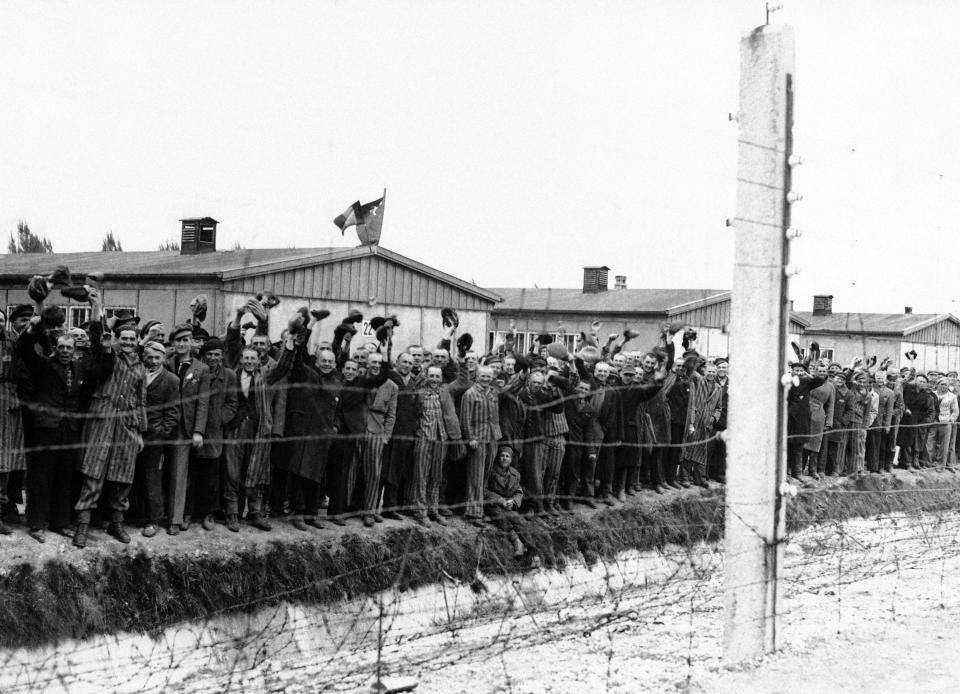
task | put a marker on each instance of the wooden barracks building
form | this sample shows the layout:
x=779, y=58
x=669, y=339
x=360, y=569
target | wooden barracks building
x=843, y=336
x=159, y=285
x=564, y=313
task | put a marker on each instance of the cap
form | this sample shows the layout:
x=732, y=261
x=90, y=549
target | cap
x=154, y=346
x=180, y=329
x=22, y=311
x=211, y=344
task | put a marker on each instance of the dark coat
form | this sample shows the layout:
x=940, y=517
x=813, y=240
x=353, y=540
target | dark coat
x=223, y=407
x=163, y=406
x=52, y=401
x=798, y=409
x=312, y=403
x=194, y=395
x=610, y=415
x=584, y=430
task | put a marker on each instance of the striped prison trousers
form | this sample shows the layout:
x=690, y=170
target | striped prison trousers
x=427, y=474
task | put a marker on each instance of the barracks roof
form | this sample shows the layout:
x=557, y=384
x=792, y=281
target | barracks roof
x=873, y=323
x=611, y=301
x=220, y=265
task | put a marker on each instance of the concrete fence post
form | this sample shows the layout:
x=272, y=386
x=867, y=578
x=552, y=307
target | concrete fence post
x=754, y=519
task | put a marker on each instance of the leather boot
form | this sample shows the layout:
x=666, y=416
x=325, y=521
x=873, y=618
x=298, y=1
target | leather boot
x=80, y=536
x=116, y=530
x=258, y=521
x=233, y=523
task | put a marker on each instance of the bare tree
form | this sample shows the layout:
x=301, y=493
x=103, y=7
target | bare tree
x=28, y=242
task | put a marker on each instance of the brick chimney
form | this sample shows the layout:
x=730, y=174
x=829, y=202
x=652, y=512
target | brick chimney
x=198, y=235
x=822, y=304
x=595, y=279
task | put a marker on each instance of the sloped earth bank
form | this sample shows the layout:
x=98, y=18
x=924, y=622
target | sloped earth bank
x=869, y=605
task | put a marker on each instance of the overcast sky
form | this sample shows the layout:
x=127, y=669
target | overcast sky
x=518, y=140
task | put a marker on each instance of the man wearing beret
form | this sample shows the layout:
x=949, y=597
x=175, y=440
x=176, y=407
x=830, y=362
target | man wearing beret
x=194, y=377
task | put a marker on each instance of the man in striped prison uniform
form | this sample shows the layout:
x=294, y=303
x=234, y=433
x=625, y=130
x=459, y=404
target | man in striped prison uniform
x=113, y=438
x=480, y=426
x=555, y=430
x=436, y=425
x=381, y=415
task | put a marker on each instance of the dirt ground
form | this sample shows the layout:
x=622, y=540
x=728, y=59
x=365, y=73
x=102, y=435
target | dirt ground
x=873, y=607
x=868, y=605
x=19, y=547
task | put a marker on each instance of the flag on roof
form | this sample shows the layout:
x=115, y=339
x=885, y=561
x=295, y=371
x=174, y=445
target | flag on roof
x=367, y=218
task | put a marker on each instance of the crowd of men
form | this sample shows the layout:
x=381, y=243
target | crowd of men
x=869, y=417
x=120, y=422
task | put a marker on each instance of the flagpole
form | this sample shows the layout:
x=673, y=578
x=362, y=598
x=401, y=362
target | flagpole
x=383, y=212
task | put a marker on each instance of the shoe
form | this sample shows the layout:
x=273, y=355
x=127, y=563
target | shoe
x=149, y=530
x=608, y=500
x=4, y=530
x=117, y=531
x=258, y=521
x=589, y=502
x=208, y=522
x=660, y=489
x=80, y=536
x=368, y=521
x=675, y=484
x=377, y=518
x=438, y=519
x=622, y=496
x=630, y=491
x=185, y=526
x=38, y=534
x=554, y=511
x=477, y=522
x=66, y=532
x=421, y=520
x=684, y=484
x=297, y=522
x=173, y=529
x=392, y=515
x=444, y=511
x=233, y=523
x=337, y=520
x=313, y=522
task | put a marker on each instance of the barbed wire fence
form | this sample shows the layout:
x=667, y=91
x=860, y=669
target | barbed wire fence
x=626, y=585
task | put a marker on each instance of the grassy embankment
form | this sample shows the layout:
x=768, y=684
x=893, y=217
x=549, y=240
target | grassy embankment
x=127, y=591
